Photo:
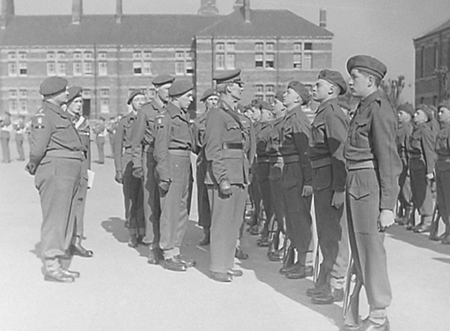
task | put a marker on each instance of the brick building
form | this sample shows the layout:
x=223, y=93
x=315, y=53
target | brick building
x=432, y=53
x=109, y=55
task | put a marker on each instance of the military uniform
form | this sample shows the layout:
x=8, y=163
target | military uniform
x=5, y=135
x=173, y=146
x=132, y=186
x=100, y=135
x=143, y=145
x=20, y=133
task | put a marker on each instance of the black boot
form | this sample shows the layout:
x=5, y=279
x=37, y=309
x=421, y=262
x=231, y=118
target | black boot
x=77, y=249
x=289, y=260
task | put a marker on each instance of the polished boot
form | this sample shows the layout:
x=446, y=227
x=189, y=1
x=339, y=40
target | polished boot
x=155, y=255
x=132, y=241
x=299, y=272
x=328, y=297
x=221, y=277
x=189, y=263
x=71, y=273
x=263, y=242
x=173, y=264
x=77, y=249
x=321, y=285
x=235, y=272
x=288, y=261
x=58, y=276
x=424, y=225
x=370, y=326
x=206, y=239
x=446, y=240
x=240, y=254
x=277, y=255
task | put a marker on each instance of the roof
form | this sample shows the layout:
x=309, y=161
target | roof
x=441, y=27
x=265, y=23
x=103, y=30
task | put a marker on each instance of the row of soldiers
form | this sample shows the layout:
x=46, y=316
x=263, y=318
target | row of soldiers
x=7, y=127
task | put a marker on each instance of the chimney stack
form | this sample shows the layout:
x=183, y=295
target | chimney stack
x=247, y=11
x=208, y=8
x=323, y=18
x=77, y=11
x=7, y=12
x=119, y=11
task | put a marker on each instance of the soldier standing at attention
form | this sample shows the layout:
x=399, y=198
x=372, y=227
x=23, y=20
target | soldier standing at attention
x=173, y=146
x=56, y=155
x=210, y=98
x=373, y=168
x=132, y=186
x=19, y=137
x=405, y=114
x=142, y=148
x=328, y=134
x=100, y=134
x=229, y=140
x=74, y=108
x=443, y=169
x=296, y=178
x=5, y=134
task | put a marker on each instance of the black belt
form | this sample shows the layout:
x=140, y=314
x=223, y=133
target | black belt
x=233, y=146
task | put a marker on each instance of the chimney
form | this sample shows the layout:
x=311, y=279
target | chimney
x=238, y=4
x=208, y=8
x=77, y=11
x=247, y=11
x=323, y=18
x=119, y=11
x=7, y=12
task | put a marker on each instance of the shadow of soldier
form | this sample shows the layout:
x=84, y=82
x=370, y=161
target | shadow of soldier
x=116, y=226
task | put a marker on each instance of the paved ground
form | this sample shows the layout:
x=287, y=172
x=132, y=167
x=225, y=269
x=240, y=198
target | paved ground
x=119, y=291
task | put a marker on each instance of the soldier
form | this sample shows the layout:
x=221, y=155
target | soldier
x=56, y=155
x=296, y=179
x=111, y=129
x=443, y=169
x=74, y=108
x=19, y=137
x=373, y=168
x=143, y=145
x=132, y=186
x=328, y=134
x=229, y=147
x=173, y=146
x=100, y=134
x=421, y=165
x=405, y=114
x=5, y=134
x=210, y=98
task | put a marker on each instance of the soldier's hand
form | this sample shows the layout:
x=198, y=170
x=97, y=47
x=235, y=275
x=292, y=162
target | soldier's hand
x=386, y=219
x=164, y=185
x=307, y=190
x=225, y=188
x=138, y=172
x=338, y=199
x=31, y=168
x=118, y=177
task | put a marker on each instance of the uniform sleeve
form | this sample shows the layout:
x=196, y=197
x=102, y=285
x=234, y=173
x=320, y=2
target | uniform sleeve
x=138, y=132
x=196, y=143
x=301, y=132
x=162, y=142
x=385, y=150
x=428, y=141
x=41, y=131
x=336, y=130
x=118, y=146
x=213, y=145
x=252, y=148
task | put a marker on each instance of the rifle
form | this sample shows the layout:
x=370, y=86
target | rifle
x=350, y=309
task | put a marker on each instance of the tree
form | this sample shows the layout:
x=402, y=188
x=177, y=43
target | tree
x=443, y=76
x=393, y=89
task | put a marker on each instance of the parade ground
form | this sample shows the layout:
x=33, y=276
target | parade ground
x=118, y=290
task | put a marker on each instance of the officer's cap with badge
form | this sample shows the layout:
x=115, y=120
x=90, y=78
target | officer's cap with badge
x=162, y=80
x=301, y=90
x=229, y=76
x=368, y=64
x=74, y=92
x=53, y=86
x=335, y=78
x=180, y=87
x=208, y=93
x=133, y=94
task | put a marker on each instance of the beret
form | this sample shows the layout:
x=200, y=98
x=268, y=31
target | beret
x=427, y=110
x=301, y=90
x=180, y=87
x=444, y=104
x=228, y=76
x=280, y=95
x=407, y=108
x=162, y=79
x=368, y=64
x=74, y=92
x=335, y=78
x=209, y=92
x=53, y=85
x=265, y=105
x=133, y=94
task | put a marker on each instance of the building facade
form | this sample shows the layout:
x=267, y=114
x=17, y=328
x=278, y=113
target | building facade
x=432, y=56
x=110, y=55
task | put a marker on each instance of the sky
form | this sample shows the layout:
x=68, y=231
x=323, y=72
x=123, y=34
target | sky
x=382, y=28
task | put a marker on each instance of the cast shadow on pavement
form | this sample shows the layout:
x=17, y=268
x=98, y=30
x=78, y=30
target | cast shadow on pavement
x=417, y=239
x=115, y=226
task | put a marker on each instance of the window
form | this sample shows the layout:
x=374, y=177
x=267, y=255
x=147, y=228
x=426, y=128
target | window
x=231, y=47
x=270, y=47
x=179, y=55
x=307, y=61
x=102, y=68
x=88, y=68
x=13, y=106
x=436, y=55
x=12, y=69
x=104, y=105
x=220, y=47
x=23, y=93
x=231, y=61
x=179, y=67
x=259, y=88
x=23, y=106
x=77, y=69
x=259, y=60
x=51, y=70
x=269, y=89
x=297, y=61
x=189, y=67
x=147, y=68
x=12, y=94
x=422, y=63
x=137, y=55
x=12, y=56
x=61, y=56
x=147, y=54
x=152, y=93
x=88, y=55
x=270, y=98
x=259, y=47
x=22, y=68
x=297, y=47
x=137, y=68
x=102, y=55
x=77, y=55
x=61, y=68
x=308, y=46
x=270, y=60
x=220, y=61
x=104, y=93
x=22, y=56
x=50, y=55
